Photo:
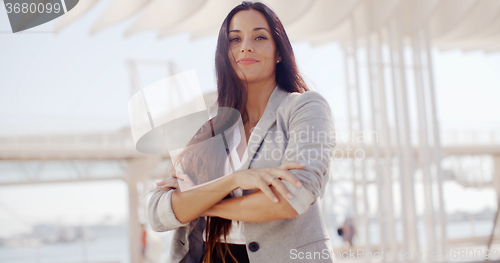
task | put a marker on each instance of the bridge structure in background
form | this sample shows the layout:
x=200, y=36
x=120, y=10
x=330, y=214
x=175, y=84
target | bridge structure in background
x=31, y=157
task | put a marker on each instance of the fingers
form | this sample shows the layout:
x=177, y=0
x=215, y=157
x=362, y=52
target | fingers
x=167, y=187
x=289, y=176
x=286, y=175
x=161, y=182
x=281, y=188
x=276, y=182
x=268, y=192
x=291, y=165
x=169, y=183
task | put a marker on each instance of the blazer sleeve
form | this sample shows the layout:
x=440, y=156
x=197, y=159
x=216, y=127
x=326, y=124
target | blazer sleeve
x=160, y=214
x=311, y=140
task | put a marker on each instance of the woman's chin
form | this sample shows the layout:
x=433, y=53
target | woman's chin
x=251, y=77
x=252, y=80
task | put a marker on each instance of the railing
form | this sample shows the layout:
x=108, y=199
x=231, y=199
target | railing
x=120, y=139
x=470, y=136
x=451, y=135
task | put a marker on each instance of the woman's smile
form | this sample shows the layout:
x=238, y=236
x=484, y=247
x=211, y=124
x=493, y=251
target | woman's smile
x=247, y=61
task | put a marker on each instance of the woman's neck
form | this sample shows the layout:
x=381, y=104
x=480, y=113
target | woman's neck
x=258, y=96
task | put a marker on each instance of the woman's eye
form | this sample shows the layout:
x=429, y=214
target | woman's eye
x=233, y=39
x=262, y=37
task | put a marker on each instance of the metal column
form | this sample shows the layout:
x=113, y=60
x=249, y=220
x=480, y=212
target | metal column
x=137, y=169
x=356, y=127
x=385, y=139
x=375, y=110
x=423, y=146
x=410, y=240
x=436, y=138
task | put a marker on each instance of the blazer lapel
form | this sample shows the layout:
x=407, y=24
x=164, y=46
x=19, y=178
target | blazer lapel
x=267, y=120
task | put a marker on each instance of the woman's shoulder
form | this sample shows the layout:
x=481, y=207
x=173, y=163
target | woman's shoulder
x=295, y=100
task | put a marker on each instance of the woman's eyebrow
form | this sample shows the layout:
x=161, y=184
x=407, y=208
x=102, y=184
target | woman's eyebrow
x=255, y=29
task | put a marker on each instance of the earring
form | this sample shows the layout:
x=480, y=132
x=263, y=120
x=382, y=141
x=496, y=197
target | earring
x=278, y=61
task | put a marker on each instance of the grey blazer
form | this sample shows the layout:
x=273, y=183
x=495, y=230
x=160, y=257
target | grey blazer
x=294, y=127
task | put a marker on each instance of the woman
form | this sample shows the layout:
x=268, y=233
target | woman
x=275, y=216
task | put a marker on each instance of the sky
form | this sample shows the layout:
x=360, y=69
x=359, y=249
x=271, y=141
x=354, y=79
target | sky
x=72, y=82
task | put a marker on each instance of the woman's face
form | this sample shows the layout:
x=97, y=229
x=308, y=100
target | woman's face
x=252, y=50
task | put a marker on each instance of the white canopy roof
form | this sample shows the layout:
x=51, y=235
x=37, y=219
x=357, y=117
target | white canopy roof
x=464, y=24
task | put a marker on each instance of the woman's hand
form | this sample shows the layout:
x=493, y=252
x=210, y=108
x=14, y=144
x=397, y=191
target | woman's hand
x=263, y=178
x=170, y=183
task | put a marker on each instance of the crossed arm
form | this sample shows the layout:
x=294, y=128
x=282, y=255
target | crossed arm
x=207, y=200
x=254, y=207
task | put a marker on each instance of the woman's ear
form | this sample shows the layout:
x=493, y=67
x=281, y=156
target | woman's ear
x=279, y=58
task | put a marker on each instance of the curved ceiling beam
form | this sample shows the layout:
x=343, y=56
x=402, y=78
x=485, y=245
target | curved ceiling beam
x=80, y=9
x=368, y=16
x=322, y=16
x=210, y=15
x=163, y=14
x=289, y=11
x=412, y=15
x=480, y=16
x=117, y=11
x=448, y=14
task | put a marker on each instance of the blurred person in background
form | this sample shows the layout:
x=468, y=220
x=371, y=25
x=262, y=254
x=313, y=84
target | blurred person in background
x=347, y=231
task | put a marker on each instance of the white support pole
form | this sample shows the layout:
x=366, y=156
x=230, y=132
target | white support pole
x=496, y=174
x=366, y=223
x=133, y=222
x=375, y=143
x=424, y=149
x=355, y=216
x=437, y=140
x=135, y=83
x=496, y=185
x=385, y=139
x=137, y=169
x=409, y=192
x=404, y=215
x=399, y=148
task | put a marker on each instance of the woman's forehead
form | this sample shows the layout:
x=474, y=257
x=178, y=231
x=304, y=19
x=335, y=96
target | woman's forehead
x=248, y=20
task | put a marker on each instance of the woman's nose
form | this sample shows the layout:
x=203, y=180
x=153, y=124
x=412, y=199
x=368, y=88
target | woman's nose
x=246, y=46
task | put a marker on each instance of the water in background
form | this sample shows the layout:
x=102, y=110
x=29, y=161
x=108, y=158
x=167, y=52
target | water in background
x=115, y=248
x=112, y=249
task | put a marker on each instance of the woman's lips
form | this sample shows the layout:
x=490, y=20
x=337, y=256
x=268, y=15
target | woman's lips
x=247, y=61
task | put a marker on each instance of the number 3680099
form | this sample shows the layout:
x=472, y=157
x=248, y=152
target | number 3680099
x=33, y=8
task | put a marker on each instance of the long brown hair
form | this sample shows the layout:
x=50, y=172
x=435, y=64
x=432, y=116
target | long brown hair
x=197, y=160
